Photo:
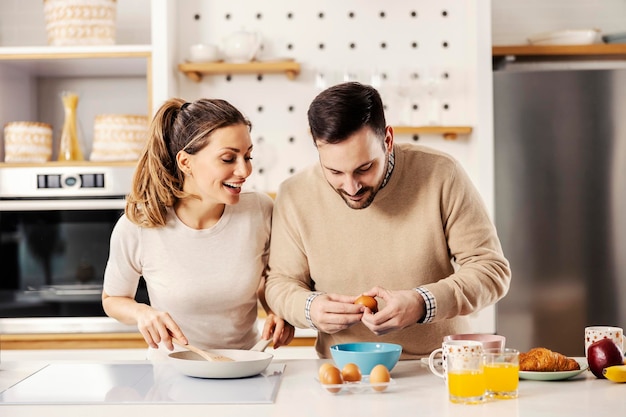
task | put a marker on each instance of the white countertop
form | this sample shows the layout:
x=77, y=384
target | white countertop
x=415, y=392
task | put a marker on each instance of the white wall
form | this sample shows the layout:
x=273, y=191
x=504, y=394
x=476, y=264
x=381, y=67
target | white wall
x=435, y=57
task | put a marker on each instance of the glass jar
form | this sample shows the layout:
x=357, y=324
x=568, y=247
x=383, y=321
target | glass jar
x=69, y=146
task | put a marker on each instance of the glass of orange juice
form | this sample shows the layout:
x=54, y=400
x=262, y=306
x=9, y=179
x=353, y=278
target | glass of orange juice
x=501, y=369
x=466, y=380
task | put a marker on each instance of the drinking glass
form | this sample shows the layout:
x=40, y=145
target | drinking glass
x=466, y=378
x=501, y=368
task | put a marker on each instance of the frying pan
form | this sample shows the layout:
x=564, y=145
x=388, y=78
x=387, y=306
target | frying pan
x=246, y=362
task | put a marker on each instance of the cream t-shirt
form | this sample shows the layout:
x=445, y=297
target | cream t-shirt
x=207, y=280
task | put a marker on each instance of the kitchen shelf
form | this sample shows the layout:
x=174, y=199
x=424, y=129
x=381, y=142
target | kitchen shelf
x=448, y=132
x=600, y=51
x=71, y=61
x=68, y=164
x=196, y=70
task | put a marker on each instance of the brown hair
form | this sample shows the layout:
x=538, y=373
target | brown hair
x=341, y=110
x=177, y=125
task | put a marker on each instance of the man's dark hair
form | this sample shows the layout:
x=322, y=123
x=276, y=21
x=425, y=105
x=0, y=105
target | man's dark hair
x=339, y=111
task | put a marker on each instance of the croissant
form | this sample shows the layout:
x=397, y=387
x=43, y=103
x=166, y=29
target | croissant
x=545, y=360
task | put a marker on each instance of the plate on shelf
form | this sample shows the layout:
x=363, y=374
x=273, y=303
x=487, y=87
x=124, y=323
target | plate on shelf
x=566, y=37
x=555, y=376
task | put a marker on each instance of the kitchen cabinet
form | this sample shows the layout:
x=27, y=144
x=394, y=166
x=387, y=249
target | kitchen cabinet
x=33, y=77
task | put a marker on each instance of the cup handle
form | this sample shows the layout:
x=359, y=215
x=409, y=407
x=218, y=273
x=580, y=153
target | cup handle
x=431, y=363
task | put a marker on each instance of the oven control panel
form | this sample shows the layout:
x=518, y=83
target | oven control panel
x=70, y=181
x=65, y=182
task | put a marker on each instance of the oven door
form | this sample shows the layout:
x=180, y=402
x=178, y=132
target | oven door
x=53, y=254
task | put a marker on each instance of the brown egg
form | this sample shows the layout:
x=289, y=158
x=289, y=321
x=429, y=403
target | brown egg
x=379, y=375
x=332, y=376
x=322, y=370
x=367, y=301
x=351, y=373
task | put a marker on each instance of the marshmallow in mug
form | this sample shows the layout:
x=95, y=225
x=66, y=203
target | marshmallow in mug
x=457, y=347
x=595, y=333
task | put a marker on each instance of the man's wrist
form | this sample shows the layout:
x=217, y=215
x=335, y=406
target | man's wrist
x=430, y=304
x=307, y=309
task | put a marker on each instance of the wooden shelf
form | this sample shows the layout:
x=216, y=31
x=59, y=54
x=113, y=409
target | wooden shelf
x=65, y=52
x=68, y=164
x=55, y=61
x=448, y=132
x=196, y=70
x=600, y=51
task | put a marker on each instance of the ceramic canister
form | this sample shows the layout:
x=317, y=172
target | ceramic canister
x=80, y=22
x=27, y=142
x=119, y=137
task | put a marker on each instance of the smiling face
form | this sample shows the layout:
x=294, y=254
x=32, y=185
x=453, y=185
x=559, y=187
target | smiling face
x=356, y=167
x=217, y=172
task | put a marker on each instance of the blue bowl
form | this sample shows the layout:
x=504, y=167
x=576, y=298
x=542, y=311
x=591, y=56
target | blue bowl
x=366, y=355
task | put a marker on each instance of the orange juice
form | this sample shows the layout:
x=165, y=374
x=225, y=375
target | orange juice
x=502, y=378
x=466, y=384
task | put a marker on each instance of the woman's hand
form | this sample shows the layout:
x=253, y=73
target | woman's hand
x=279, y=330
x=158, y=326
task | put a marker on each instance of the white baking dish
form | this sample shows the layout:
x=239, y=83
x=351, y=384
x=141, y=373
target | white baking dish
x=566, y=37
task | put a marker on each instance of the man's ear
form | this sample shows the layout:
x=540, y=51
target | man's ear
x=389, y=138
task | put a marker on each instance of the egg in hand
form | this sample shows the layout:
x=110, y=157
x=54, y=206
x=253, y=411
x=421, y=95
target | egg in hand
x=367, y=301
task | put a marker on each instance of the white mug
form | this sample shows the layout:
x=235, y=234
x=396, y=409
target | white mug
x=203, y=52
x=595, y=333
x=458, y=347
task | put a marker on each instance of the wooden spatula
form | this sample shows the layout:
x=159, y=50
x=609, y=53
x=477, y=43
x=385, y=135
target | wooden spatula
x=212, y=357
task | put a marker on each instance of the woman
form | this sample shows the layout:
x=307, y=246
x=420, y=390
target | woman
x=200, y=243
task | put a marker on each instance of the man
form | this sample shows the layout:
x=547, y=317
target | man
x=402, y=223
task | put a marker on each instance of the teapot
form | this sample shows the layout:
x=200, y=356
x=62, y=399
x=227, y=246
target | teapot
x=241, y=46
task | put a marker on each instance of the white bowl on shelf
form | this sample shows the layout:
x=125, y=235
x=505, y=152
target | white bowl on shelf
x=204, y=52
x=566, y=37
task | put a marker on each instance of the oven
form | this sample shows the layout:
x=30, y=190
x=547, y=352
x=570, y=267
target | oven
x=55, y=228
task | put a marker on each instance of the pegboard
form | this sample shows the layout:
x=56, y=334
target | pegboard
x=414, y=52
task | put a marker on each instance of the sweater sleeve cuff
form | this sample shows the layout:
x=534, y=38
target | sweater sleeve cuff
x=307, y=309
x=431, y=304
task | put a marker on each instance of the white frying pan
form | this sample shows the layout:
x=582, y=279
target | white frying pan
x=245, y=362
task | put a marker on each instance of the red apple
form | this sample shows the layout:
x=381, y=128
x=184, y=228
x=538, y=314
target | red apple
x=602, y=354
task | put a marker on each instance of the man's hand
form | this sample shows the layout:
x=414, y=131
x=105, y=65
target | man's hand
x=333, y=312
x=401, y=309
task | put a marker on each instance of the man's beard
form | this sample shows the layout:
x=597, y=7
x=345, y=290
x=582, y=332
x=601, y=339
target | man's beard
x=361, y=204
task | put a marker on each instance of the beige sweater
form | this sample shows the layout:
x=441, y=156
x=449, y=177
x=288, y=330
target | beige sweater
x=427, y=216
